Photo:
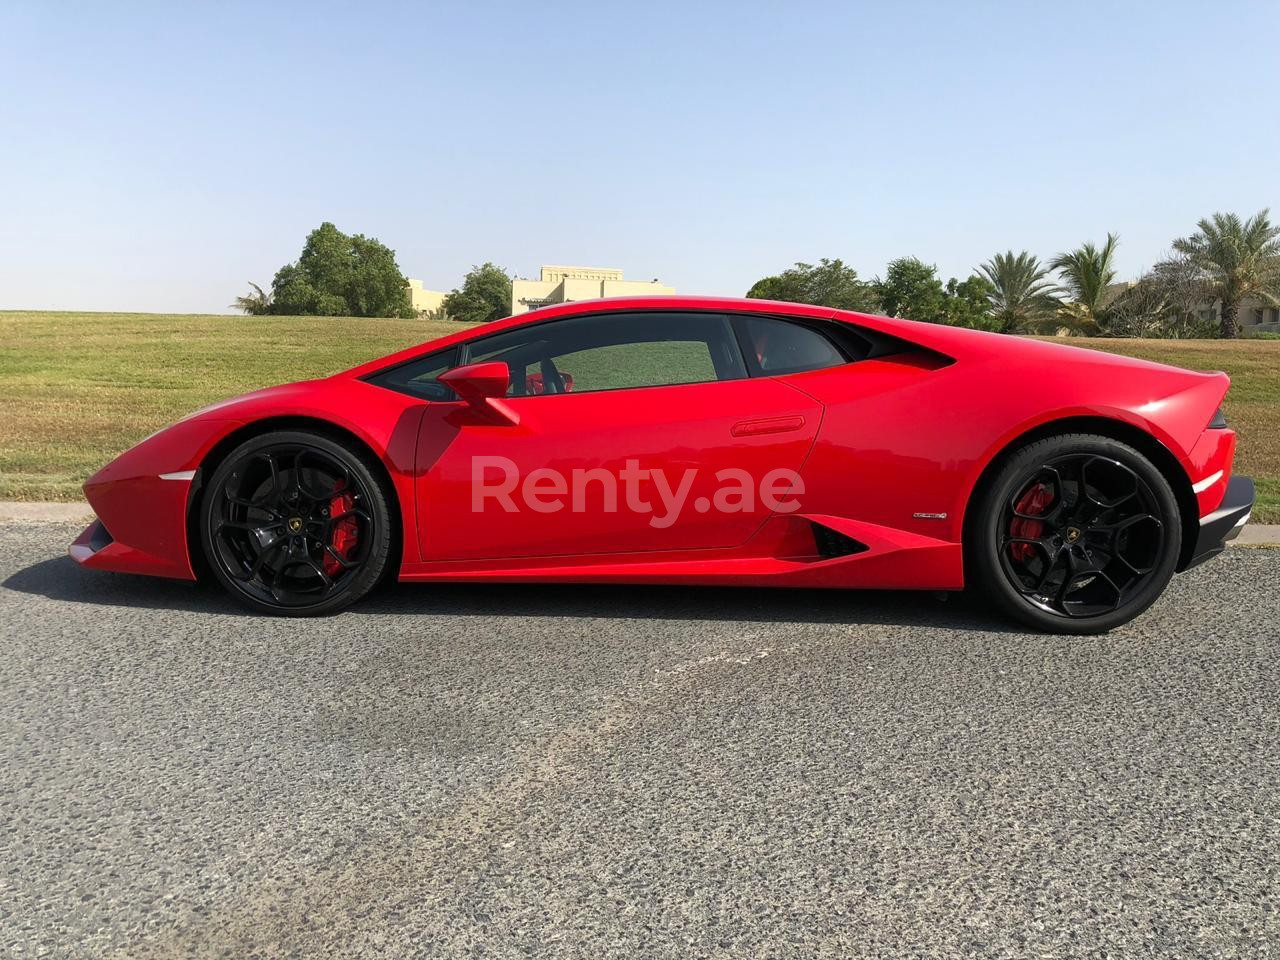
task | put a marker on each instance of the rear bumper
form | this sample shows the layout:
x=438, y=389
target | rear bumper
x=1225, y=522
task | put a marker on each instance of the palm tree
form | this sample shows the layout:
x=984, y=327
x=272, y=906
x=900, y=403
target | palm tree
x=1088, y=276
x=255, y=304
x=1024, y=300
x=1237, y=259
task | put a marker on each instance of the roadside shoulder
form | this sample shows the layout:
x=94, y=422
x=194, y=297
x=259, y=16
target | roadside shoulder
x=50, y=512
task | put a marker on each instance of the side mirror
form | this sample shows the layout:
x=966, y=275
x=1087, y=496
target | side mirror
x=484, y=388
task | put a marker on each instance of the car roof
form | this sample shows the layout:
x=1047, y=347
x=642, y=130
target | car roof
x=949, y=341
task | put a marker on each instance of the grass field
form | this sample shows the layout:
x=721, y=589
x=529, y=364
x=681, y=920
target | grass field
x=1252, y=407
x=78, y=388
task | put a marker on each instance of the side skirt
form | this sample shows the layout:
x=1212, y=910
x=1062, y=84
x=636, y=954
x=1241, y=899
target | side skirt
x=785, y=553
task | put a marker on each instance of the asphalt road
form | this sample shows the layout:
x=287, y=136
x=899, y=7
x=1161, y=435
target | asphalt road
x=642, y=772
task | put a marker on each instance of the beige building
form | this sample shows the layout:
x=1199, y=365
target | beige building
x=423, y=300
x=1255, y=316
x=558, y=284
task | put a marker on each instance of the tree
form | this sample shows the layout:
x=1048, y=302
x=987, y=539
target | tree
x=341, y=275
x=485, y=295
x=911, y=289
x=255, y=304
x=1088, y=277
x=1022, y=297
x=1237, y=259
x=829, y=284
x=969, y=302
x=787, y=286
x=1164, y=302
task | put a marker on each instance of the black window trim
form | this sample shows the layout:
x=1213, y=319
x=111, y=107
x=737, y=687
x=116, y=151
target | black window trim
x=465, y=348
x=845, y=338
x=466, y=345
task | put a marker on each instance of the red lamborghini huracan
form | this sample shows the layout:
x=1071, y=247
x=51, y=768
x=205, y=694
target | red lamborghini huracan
x=688, y=440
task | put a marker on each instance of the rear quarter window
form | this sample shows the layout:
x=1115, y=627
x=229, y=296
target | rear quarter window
x=780, y=346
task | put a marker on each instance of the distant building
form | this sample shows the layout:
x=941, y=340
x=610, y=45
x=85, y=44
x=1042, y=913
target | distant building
x=423, y=300
x=566, y=284
x=1255, y=315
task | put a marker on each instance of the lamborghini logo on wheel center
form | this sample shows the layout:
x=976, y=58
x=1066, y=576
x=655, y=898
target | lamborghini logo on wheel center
x=295, y=524
x=1073, y=534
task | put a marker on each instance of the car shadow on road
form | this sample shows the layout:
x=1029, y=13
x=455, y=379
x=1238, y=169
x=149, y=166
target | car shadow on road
x=62, y=580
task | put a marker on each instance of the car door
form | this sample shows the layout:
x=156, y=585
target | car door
x=637, y=432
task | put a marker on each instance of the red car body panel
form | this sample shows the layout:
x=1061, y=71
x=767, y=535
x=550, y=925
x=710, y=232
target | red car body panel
x=587, y=431
x=889, y=450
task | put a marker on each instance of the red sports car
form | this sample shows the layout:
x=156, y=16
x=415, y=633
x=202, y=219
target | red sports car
x=688, y=440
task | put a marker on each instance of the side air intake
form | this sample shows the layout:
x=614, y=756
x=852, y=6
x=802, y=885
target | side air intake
x=833, y=543
x=99, y=536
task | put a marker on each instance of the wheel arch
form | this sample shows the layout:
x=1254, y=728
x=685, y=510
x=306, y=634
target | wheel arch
x=220, y=450
x=1161, y=457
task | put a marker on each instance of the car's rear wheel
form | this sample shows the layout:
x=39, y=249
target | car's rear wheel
x=297, y=524
x=1075, y=534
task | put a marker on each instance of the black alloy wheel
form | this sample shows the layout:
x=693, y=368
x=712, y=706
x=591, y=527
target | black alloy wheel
x=295, y=523
x=1079, y=534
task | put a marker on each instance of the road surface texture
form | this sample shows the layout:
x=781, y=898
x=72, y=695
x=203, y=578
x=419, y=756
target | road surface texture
x=511, y=771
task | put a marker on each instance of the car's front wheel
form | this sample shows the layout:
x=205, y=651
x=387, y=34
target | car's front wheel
x=1075, y=534
x=295, y=523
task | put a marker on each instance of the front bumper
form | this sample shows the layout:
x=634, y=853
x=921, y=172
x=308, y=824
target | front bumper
x=141, y=527
x=141, y=499
x=1226, y=522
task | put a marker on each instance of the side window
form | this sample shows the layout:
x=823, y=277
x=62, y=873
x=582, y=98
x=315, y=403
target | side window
x=418, y=377
x=620, y=351
x=778, y=346
x=621, y=366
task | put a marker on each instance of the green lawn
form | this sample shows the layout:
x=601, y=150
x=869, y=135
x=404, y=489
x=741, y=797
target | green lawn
x=78, y=388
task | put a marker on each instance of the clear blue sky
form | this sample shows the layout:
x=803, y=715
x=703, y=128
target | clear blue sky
x=156, y=157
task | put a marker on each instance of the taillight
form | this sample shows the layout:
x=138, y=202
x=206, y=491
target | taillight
x=1219, y=421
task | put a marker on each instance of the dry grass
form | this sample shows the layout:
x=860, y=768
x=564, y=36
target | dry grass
x=77, y=388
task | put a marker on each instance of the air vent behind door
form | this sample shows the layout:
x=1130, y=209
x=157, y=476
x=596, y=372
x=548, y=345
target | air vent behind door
x=833, y=543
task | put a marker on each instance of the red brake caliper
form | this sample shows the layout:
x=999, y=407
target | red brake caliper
x=1034, y=503
x=343, y=537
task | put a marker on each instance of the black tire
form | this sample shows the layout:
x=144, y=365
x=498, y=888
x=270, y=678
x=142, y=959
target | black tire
x=294, y=523
x=1063, y=563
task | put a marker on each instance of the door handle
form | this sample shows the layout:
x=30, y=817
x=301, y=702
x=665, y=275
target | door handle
x=756, y=428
